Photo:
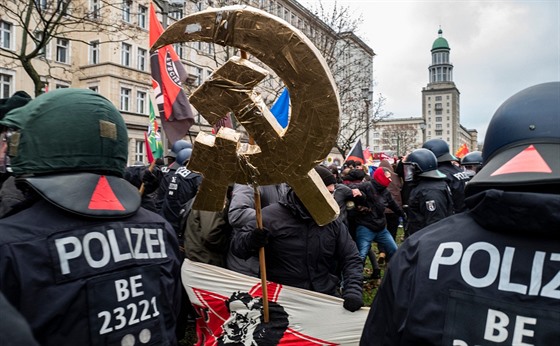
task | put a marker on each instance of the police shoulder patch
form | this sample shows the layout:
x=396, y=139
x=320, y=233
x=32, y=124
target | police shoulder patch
x=431, y=205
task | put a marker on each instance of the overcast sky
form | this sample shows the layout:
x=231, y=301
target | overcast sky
x=497, y=49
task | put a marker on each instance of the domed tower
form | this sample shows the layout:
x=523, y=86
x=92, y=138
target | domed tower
x=440, y=98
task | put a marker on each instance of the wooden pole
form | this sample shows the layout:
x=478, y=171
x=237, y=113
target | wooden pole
x=262, y=262
x=258, y=214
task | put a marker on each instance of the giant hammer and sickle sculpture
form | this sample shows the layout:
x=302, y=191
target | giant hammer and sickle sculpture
x=282, y=155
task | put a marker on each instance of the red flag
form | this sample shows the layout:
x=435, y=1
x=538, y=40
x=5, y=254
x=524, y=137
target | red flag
x=356, y=153
x=462, y=151
x=168, y=75
x=368, y=157
x=149, y=153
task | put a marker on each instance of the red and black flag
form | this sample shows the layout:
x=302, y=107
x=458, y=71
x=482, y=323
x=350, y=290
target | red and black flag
x=168, y=76
x=356, y=153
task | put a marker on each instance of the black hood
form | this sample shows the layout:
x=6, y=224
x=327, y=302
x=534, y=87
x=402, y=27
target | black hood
x=516, y=212
x=294, y=204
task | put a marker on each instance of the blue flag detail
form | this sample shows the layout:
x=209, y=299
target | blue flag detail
x=281, y=108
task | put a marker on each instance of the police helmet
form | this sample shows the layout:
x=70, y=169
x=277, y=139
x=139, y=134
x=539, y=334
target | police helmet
x=183, y=156
x=440, y=149
x=522, y=143
x=71, y=145
x=177, y=147
x=67, y=130
x=474, y=158
x=422, y=163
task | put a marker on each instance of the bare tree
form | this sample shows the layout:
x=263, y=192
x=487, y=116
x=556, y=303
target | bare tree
x=42, y=21
x=362, y=108
x=400, y=138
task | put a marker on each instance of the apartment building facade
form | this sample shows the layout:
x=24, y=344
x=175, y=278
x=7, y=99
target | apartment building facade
x=104, y=46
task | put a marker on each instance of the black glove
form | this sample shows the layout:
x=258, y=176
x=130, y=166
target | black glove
x=150, y=180
x=258, y=238
x=353, y=303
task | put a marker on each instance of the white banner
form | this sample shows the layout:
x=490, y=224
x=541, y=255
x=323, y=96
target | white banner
x=230, y=306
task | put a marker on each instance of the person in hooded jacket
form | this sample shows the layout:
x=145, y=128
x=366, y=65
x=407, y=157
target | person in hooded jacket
x=393, y=219
x=370, y=214
x=299, y=252
x=488, y=276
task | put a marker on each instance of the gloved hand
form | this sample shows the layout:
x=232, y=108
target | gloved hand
x=353, y=303
x=258, y=238
x=150, y=180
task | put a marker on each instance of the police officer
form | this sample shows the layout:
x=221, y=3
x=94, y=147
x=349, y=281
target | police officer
x=456, y=178
x=166, y=172
x=471, y=163
x=430, y=199
x=80, y=260
x=489, y=276
x=182, y=187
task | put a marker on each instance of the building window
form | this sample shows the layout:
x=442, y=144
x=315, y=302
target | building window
x=43, y=51
x=139, y=154
x=438, y=126
x=199, y=76
x=6, y=81
x=176, y=14
x=94, y=9
x=63, y=6
x=142, y=53
x=125, y=99
x=438, y=98
x=94, y=88
x=94, y=52
x=125, y=54
x=62, y=50
x=439, y=132
x=42, y=4
x=178, y=49
x=141, y=102
x=438, y=106
x=142, y=16
x=61, y=86
x=126, y=11
x=6, y=33
x=438, y=118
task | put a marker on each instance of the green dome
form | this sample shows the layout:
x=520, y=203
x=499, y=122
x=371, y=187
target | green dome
x=440, y=42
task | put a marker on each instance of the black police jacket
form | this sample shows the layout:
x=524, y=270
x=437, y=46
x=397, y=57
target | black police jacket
x=183, y=185
x=429, y=201
x=488, y=276
x=456, y=178
x=90, y=281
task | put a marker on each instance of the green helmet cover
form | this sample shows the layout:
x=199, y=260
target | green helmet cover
x=67, y=130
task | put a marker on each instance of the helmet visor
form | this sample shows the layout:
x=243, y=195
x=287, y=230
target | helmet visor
x=409, y=170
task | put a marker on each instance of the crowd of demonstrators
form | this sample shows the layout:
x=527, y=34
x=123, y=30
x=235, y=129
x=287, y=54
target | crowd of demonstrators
x=78, y=254
x=370, y=214
x=489, y=275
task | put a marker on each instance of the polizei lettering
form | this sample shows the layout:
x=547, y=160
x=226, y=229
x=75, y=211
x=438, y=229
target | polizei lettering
x=495, y=266
x=83, y=250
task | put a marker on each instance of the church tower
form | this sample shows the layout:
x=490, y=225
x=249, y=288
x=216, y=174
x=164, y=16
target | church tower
x=440, y=98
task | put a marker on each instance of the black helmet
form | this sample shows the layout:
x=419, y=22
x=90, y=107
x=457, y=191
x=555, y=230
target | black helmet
x=440, y=149
x=422, y=163
x=474, y=158
x=71, y=145
x=183, y=156
x=522, y=144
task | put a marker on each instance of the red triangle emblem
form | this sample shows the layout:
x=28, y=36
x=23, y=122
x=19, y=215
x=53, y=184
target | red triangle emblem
x=103, y=197
x=527, y=161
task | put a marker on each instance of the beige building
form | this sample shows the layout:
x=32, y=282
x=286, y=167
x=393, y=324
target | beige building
x=440, y=112
x=104, y=47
